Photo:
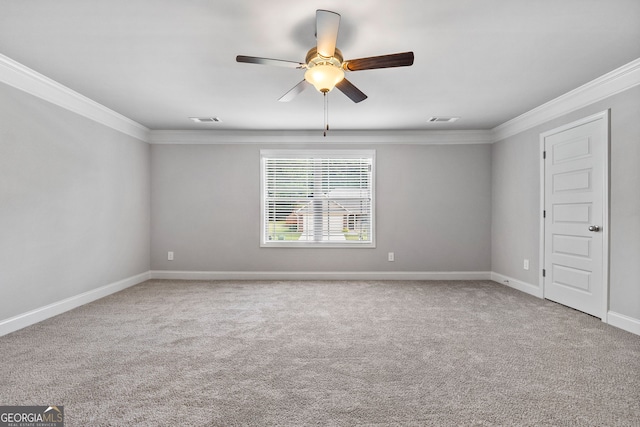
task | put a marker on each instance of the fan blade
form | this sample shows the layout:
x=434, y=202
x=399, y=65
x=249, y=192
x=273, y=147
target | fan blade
x=295, y=91
x=327, y=24
x=269, y=61
x=385, y=61
x=355, y=94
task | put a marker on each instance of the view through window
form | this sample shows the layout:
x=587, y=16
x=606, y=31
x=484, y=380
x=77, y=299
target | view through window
x=318, y=198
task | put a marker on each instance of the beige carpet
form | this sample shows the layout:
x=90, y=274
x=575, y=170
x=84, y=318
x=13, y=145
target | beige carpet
x=176, y=353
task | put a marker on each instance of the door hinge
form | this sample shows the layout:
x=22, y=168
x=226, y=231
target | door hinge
x=544, y=273
x=544, y=154
x=544, y=214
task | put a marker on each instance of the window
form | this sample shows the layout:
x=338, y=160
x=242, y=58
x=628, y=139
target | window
x=317, y=198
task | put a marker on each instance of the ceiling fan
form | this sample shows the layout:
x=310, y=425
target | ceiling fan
x=324, y=64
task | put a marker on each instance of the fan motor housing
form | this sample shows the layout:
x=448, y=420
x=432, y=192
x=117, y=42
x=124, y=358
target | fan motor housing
x=314, y=58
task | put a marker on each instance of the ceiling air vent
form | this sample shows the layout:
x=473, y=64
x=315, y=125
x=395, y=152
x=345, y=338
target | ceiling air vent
x=206, y=119
x=442, y=119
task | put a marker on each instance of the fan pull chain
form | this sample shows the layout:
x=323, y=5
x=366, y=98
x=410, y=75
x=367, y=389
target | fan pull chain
x=326, y=114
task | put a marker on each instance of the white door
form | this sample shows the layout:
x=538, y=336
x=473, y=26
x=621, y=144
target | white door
x=575, y=214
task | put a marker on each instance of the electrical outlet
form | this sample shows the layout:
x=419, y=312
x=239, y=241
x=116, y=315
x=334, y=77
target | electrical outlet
x=170, y=256
x=391, y=257
x=526, y=264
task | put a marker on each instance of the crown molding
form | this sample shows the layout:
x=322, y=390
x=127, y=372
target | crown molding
x=614, y=82
x=23, y=78
x=308, y=137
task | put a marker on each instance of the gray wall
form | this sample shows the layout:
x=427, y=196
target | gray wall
x=516, y=200
x=433, y=210
x=74, y=204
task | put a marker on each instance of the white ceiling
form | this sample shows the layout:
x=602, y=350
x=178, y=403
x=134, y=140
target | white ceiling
x=159, y=62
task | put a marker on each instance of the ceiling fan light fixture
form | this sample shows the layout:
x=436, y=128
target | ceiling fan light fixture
x=324, y=77
x=322, y=72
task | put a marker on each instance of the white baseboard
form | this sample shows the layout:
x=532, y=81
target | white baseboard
x=39, y=314
x=621, y=321
x=20, y=321
x=525, y=287
x=320, y=275
x=618, y=320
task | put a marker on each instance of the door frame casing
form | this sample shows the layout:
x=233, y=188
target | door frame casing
x=605, y=117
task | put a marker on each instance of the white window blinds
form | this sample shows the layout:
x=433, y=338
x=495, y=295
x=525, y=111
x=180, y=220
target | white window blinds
x=318, y=198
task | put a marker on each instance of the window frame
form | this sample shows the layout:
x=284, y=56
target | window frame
x=316, y=154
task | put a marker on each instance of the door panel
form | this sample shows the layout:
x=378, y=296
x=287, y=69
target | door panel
x=571, y=245
x=571, y=213
x=574, y=199
x=571, y=150
x=572, y=278
x=574, y=181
